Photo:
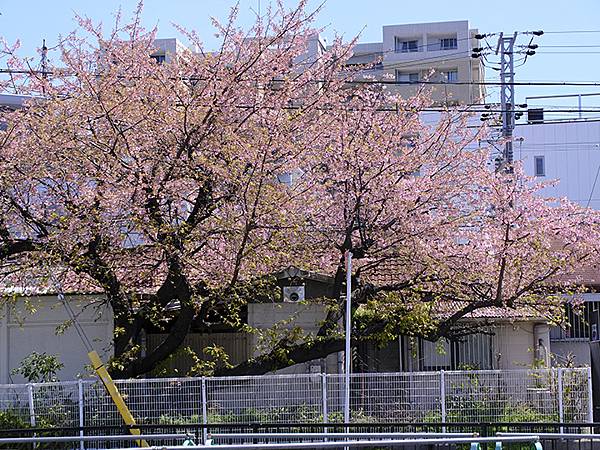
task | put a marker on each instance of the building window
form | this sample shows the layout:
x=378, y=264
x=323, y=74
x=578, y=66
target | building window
x=160, y=59
x=473, y=351
x=576, y=324
x=436, y=355
x=539, y=166
x=448, y=44
x=451, y=76
x=403, y=46
x=594, y=320
x=406, y=77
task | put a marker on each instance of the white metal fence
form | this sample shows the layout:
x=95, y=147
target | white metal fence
x=544, y=395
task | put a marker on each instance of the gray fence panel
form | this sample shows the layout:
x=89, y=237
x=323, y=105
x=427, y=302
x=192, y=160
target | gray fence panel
x=464, y=396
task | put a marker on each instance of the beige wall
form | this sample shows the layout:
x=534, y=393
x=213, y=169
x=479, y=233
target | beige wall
x=516, y=344
x=428, y=58
x=308, y=317
x=513, y=346
x=440, y=93
x=23, y=332
x=265, y=315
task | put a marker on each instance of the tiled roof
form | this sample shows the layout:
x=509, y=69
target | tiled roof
x=586, y=276
x=519, y=312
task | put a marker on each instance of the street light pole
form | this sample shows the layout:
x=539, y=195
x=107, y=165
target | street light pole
x=348, y=323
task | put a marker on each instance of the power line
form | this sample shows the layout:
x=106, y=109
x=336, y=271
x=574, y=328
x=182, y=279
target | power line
x=571, y=31
x=459, y=109
x=539, y=151
x=540, y=144
x=389, y=82
x=570, y=46
x=566, y=53
x=440, y=58
x=478, y=83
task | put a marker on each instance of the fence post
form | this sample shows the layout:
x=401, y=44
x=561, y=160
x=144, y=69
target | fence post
x=443, y=398
x=81, y=417
x=561, y=413
x=324, y=399
x=590, y=396
x=31, y=407
x=204, y=411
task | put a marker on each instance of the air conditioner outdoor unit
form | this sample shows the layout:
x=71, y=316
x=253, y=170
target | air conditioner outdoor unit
x=293, y=294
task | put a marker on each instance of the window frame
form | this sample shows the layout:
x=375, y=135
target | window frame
x=539, y=159
x=410, y=78
x=454, y=45
x=402, y=45
x=447, y=75
x=159, y=58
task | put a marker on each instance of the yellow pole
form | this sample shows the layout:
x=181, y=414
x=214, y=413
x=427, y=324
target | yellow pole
x=110, y=386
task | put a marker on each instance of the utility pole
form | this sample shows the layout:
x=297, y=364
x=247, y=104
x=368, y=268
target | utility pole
x=44, y=62
x=348, y=349
x=505, y=48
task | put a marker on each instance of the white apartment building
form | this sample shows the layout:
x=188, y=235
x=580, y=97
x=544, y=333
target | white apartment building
x=438, y=52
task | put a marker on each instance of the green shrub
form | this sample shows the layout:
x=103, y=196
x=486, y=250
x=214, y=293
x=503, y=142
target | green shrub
x=15, y=420
x=12, y=420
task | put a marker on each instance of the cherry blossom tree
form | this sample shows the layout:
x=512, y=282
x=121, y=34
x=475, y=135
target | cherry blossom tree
x=159, y=186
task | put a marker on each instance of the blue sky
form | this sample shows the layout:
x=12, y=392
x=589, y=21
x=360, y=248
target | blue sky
x=31, y=21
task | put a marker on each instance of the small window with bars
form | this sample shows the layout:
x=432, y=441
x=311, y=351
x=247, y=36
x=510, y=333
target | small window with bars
x=539, y=166
x=474, y=351
x=577, y=322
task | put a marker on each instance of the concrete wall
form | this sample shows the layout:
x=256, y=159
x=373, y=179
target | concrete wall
x=308, y=317
x=516, y=344
x=23, y=332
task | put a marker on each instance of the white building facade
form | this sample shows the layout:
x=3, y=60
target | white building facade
x=569, y=153
x=437, y=52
